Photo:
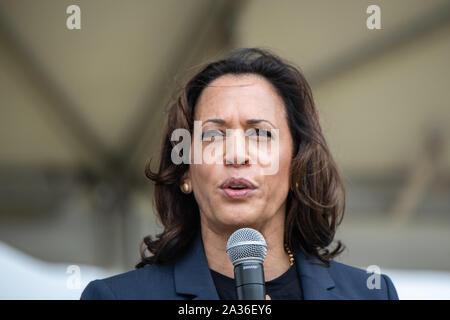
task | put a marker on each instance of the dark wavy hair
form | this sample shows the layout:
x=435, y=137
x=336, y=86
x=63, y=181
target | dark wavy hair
x=316, y=201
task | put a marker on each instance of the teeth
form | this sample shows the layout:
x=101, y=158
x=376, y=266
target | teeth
x=238, y=187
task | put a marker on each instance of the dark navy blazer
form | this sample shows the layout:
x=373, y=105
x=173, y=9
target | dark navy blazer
x=189, y=278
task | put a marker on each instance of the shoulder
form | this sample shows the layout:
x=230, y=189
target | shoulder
x=149, y=282
x=361, y=284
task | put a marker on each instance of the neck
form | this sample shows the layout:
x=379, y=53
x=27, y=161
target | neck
x=275, y=263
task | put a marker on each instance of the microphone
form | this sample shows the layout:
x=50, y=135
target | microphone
x=246, y=248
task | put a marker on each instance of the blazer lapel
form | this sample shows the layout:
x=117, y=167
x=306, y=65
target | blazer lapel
x=193, y=278
x=316, y=281
x=192, y=275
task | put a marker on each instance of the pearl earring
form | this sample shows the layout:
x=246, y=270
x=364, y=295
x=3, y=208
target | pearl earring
x=186, y=188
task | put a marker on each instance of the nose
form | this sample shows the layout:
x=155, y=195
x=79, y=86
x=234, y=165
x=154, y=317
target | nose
x=236, y=151
x=236, y=162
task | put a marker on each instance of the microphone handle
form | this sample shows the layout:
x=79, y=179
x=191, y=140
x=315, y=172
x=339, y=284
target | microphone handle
x=249, y=279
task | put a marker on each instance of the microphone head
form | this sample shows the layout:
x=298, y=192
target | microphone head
x=246, y=244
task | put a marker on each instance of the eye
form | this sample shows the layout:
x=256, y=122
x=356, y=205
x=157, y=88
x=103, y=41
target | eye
x=259, y=133
x=208, y=134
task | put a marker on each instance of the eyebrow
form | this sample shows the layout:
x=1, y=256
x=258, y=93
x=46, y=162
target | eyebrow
x=249, y=121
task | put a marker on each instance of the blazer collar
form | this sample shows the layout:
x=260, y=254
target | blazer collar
x=193, y=278
x=192, y=275
x=316, y=281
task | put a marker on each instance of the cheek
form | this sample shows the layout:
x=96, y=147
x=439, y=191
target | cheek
x=197, y=173
x=201, y=175
x=278, y=182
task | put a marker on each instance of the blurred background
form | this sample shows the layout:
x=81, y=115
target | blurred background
x=82, y=111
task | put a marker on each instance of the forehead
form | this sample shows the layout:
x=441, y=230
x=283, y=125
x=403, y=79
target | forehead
x=246, y=96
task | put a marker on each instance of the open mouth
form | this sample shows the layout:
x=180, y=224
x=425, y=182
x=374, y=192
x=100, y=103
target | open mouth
x=237, y=188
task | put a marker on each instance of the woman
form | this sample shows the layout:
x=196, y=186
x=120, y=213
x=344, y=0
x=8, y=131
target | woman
x=237, y=106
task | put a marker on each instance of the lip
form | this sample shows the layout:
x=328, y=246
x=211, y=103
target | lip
x=237, y=193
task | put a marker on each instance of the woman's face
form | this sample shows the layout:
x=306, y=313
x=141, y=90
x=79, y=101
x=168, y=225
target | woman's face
x=242, y=102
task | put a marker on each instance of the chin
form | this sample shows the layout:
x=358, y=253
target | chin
x=241, y=220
